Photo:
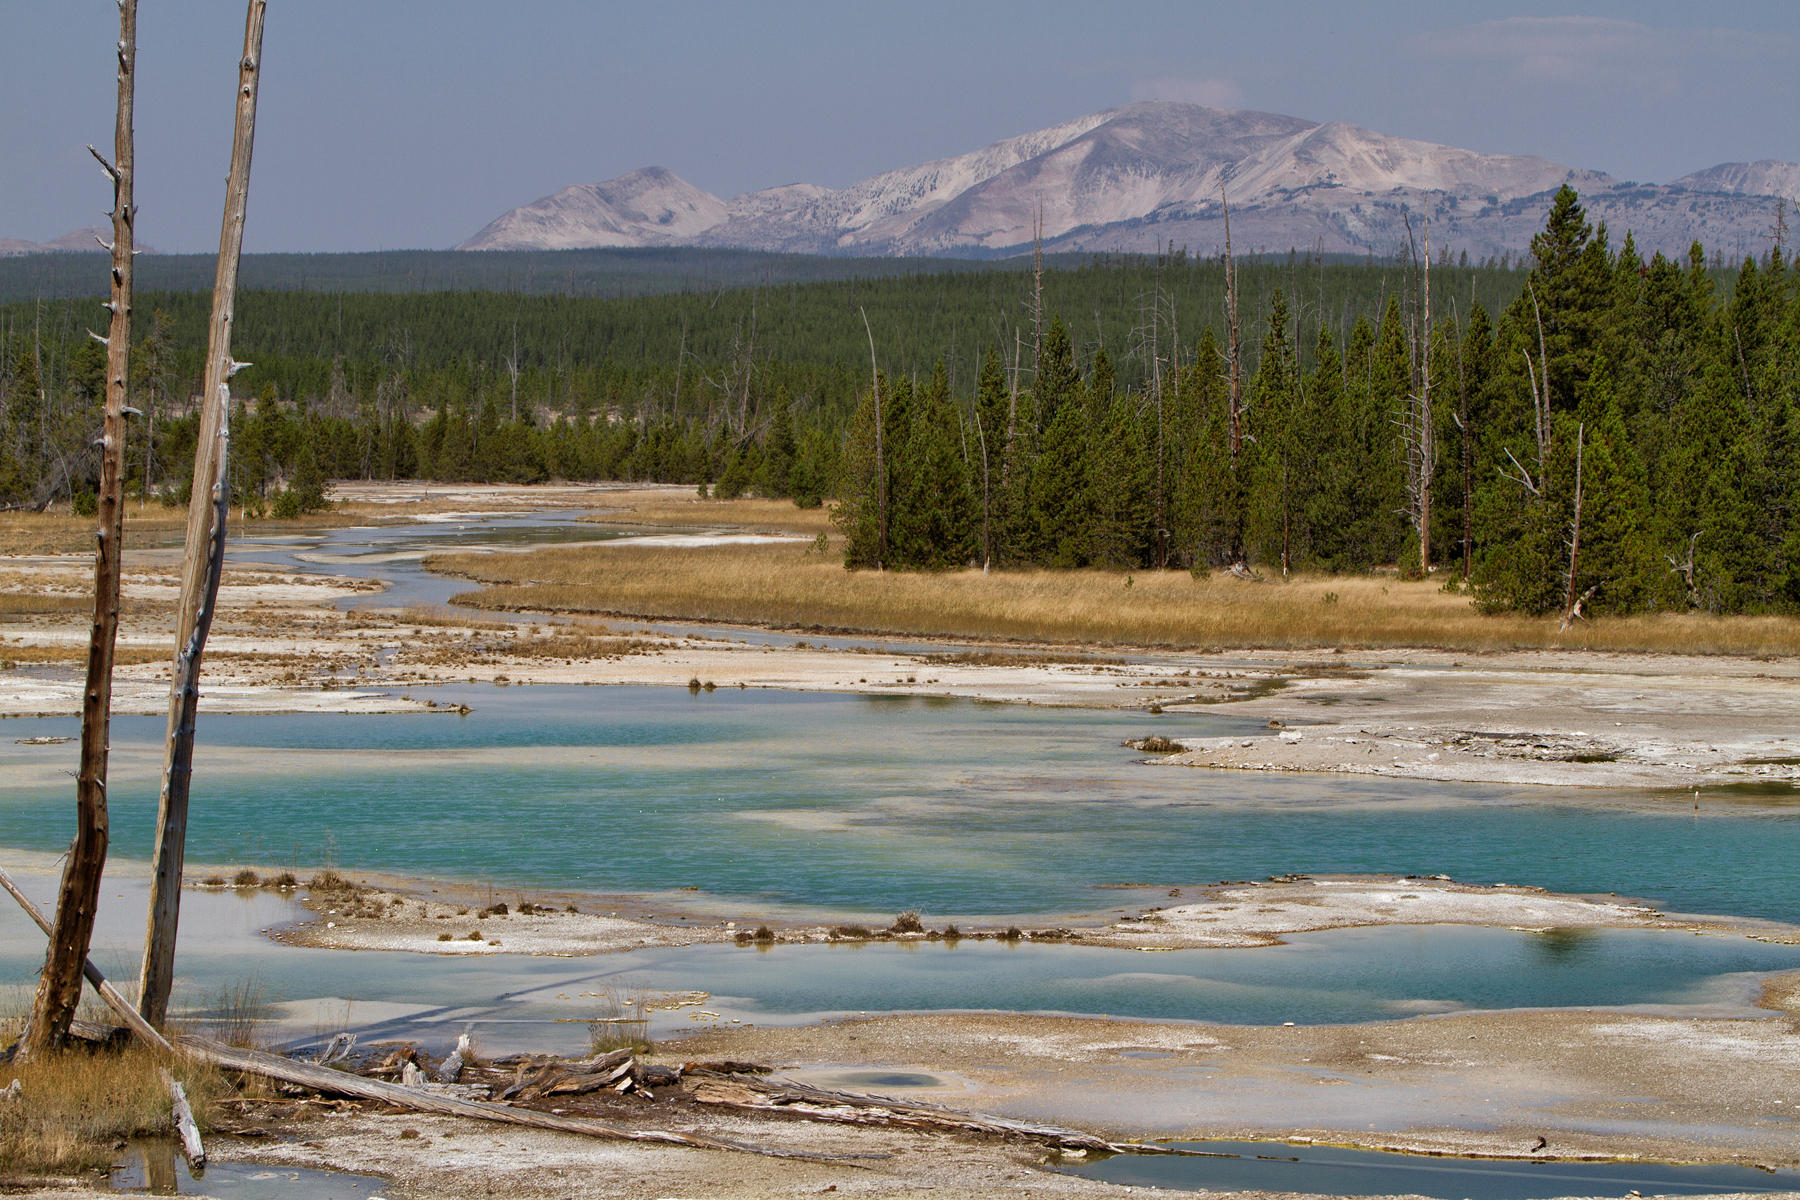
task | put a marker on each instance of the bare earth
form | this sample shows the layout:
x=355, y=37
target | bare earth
x=1589, y=1082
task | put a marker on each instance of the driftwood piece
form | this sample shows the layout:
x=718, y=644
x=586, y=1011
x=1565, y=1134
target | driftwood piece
x=853, y=1108
x=450, y=1070
x=338, y=1047
x=185, y=1127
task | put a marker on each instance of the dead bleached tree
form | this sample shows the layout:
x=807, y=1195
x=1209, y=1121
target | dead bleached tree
x=59, y=988
x=1417, y=429
x=204, y=559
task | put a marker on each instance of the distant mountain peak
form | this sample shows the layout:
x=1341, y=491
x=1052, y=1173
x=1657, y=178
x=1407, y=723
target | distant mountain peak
x=1764, y=177
x=91, y=239
x=1137, y=177
x=651, y=206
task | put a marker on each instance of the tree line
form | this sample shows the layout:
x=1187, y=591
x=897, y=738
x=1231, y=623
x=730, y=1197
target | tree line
x=1620, y=437
x=1582, y=426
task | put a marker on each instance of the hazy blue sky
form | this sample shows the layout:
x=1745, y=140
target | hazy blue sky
x=411, y=123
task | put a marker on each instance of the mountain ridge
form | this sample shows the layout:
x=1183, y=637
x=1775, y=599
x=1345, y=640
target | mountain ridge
x=1138, y=177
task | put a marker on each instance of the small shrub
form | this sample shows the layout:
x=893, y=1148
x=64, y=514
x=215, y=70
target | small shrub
x=474, y=935
x=764, y=935
x=1012, y=934
x=282, y=881
x=446, y=936
x=246, y=878
x=907, y=922
x=329, y=881
x=952, y=933
x=859, y=932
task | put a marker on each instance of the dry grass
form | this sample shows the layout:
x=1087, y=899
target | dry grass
x=788, y=586
x=749, y=514
x=24, y=604
x=148, y=526
x=78, y=1105
x=20, y=654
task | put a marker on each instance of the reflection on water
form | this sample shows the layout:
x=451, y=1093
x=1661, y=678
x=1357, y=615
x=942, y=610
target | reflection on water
x=863, y=805
x=1330, y=1170
x=154, y=1166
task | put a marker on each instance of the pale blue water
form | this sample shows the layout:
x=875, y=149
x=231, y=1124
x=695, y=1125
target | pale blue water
x=516, y=1002
x=868, y=805
x=1278, y=1167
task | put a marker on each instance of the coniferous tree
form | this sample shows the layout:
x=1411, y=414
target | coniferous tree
x=779, y=447
x=934, y=522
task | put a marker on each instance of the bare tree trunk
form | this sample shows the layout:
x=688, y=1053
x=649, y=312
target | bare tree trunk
x=204, y=559
x=1575, y=532
x=1234, y=385
x=987, y=536
x=59, y=988
x=1427, y=431
x=881, y=517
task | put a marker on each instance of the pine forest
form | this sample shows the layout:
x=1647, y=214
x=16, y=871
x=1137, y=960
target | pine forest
x=1578, y=430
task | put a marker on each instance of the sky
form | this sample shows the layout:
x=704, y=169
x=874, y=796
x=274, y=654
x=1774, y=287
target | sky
x=398, y=124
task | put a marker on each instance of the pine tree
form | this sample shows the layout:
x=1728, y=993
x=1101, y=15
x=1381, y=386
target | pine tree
x=934, y=522
x=1272, y=458
x=775, y=475
x=1059, y=495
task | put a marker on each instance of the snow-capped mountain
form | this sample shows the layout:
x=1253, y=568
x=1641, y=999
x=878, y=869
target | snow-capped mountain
x=1139, y=177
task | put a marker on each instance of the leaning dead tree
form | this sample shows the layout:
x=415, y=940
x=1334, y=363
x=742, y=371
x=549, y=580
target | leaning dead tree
x=59, y=988
x=204, y=559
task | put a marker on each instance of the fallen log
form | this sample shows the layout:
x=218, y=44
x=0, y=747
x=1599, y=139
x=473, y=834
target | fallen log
x=853, y=1108
x=185, y=1127
x=341, y=1083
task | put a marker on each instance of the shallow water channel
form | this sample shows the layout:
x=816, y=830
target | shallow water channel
x=773, y=805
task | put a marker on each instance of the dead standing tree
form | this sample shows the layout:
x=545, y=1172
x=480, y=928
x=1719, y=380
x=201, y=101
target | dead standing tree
x=204, y=559
x=59, y=988
x=1417, y=428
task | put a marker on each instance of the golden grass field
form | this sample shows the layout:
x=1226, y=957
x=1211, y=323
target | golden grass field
x=663, y=506
x=794, y=586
